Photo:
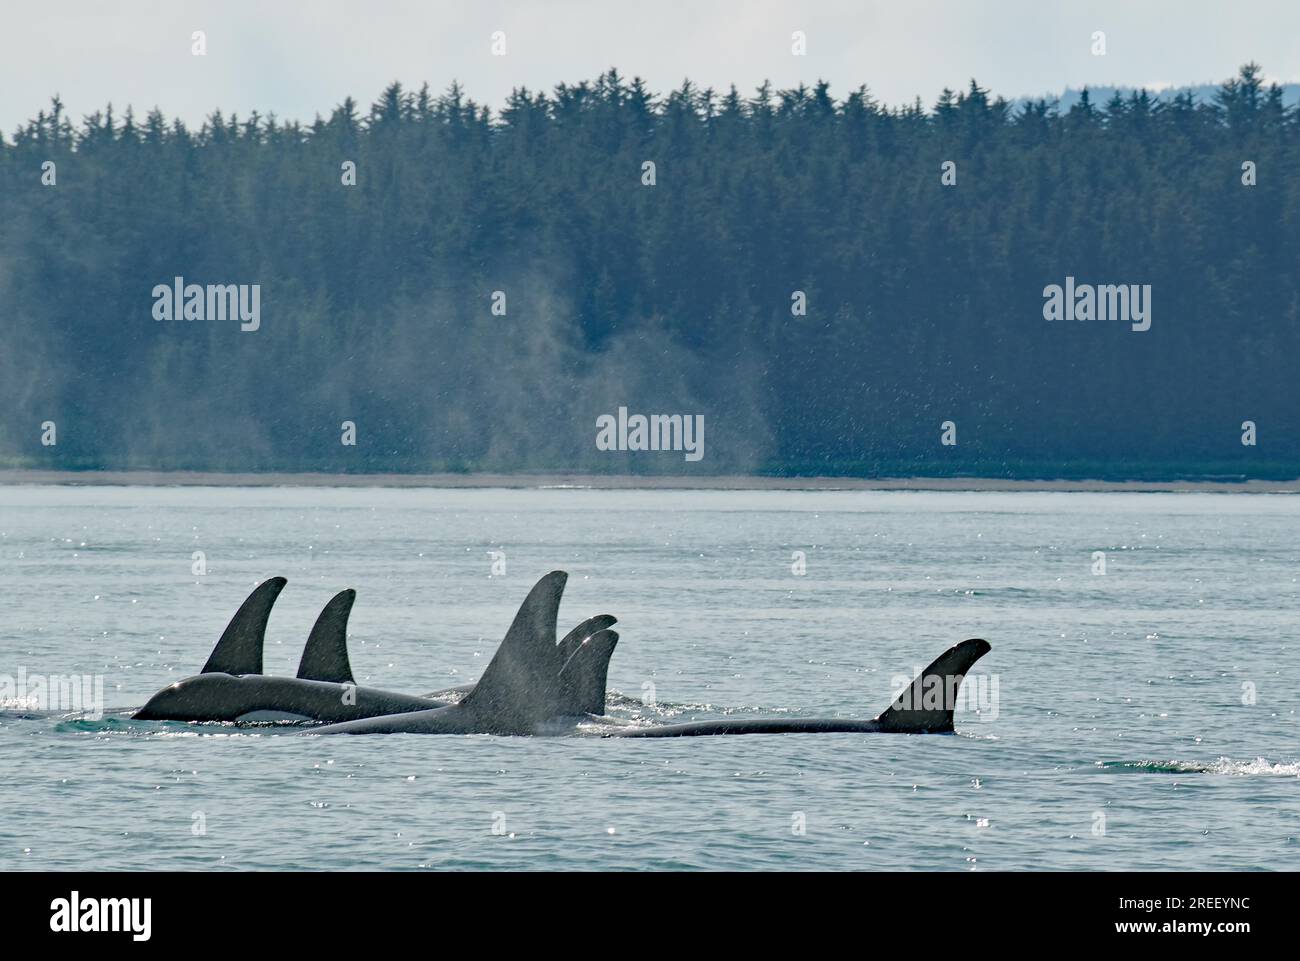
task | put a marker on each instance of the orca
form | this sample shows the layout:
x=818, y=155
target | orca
x=924, y=707
x=528, y=690
x=232, y=688
x=532, y=684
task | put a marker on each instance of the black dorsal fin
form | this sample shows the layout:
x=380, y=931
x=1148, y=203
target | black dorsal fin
x=925, y=706
x=521, y=684
x=570, y=642
x=583, y=669
x=586, y=670
x=240, y=649
x=325, y=658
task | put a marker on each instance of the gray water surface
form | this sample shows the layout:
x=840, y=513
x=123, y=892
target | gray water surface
x=1144, y=718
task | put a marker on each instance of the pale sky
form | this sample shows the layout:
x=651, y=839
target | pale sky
x=299, y=58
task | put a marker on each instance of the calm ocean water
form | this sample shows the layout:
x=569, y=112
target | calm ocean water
x=1144, y=718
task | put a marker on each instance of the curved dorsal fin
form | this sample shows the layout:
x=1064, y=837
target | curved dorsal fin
x=325, y=658
x=587, y=670
x=240, y=649
x=926, y=705
x=521, y=684
x=570, y=642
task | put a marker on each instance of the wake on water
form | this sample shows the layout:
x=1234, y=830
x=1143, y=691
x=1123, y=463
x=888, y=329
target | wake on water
x=624, y=711
x=1221, y=765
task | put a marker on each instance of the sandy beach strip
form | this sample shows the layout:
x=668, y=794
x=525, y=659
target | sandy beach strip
x=624, y=482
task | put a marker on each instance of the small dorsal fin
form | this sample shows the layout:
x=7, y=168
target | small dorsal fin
x=925, y=706
x=570, y=642
x=240, y=649
x=586, y=670
x=325, y=658
x=522, y=684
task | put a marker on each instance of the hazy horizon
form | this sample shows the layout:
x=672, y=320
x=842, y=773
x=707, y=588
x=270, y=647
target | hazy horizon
x=297, y=60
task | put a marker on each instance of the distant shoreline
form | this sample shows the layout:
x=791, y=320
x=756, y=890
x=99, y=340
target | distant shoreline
x=147, y=478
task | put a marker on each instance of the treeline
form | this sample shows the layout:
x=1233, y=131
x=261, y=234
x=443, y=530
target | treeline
x=673, y=288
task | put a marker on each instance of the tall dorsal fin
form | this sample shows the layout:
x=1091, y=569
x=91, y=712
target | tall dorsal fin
x=240, y=649
x=586, y=670
x=521, y=684
x=925, y=706
x=325, y=658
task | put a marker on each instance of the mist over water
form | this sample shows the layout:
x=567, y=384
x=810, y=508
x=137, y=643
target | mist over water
x=827, y=279
x=1120, y=696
